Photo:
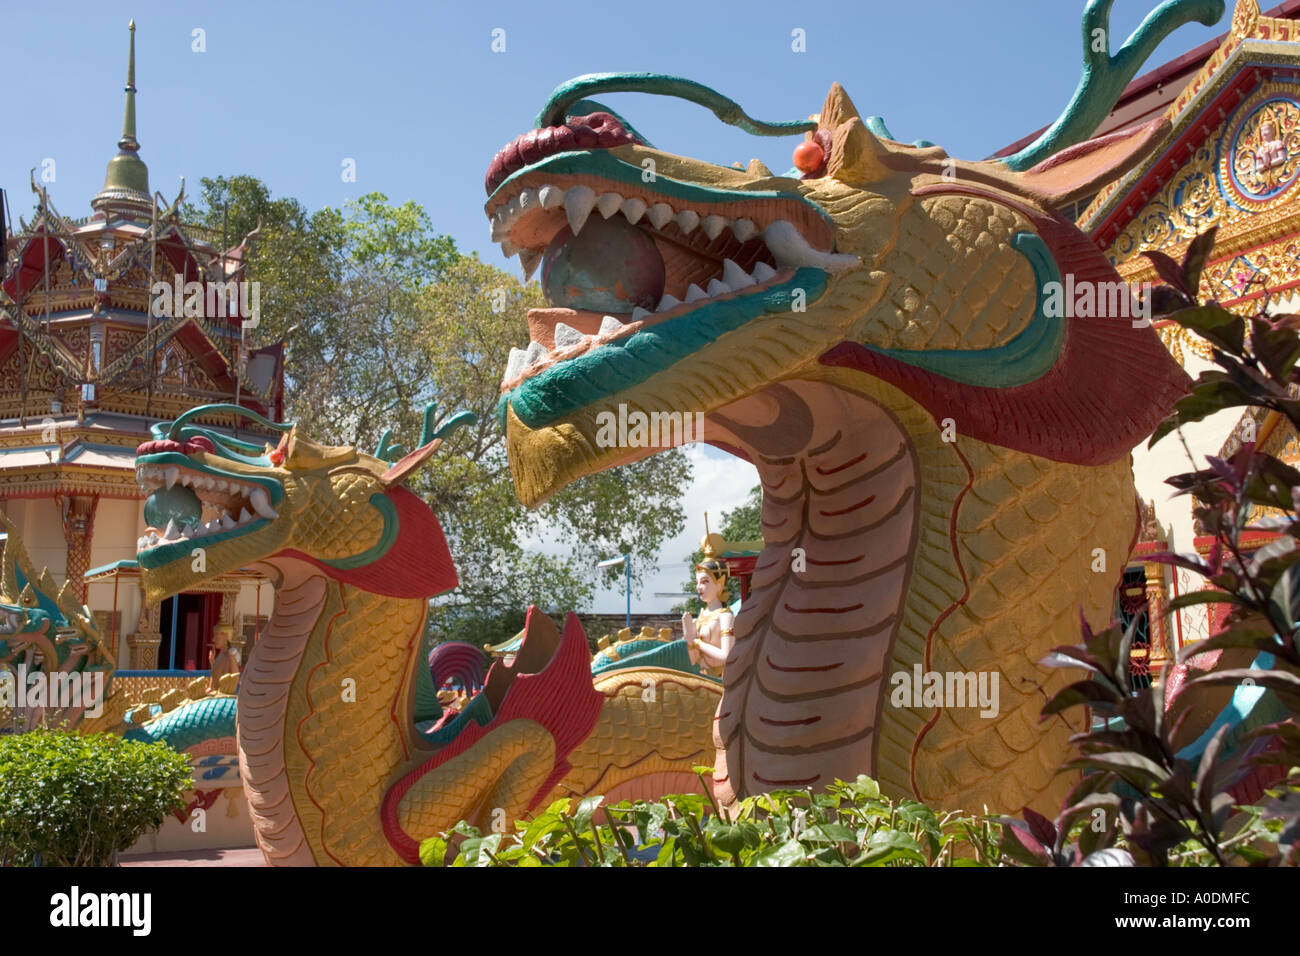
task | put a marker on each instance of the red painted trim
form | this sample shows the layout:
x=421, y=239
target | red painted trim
x=1108, y=371
x=560, y=697
x=417, y=565
x=943, y=616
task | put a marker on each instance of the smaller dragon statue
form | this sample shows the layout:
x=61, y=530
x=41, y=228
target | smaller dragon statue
x=49, y=645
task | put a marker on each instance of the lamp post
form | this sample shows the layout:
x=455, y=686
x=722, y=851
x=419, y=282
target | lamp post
x=626, y=561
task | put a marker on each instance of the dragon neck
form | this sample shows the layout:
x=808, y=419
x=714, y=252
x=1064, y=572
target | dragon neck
x=331, y=676
x=918, y=548
x=803, y=685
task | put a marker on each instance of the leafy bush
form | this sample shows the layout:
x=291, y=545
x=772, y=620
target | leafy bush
x=68, y=799
x=850, y=824
x=1154, y=807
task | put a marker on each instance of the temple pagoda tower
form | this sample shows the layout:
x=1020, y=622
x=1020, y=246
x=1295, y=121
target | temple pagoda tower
x=100, y=337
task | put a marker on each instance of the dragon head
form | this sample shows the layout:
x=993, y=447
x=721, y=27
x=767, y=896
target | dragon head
x=938, y=376
x=679, y=286
x=43, y=623
x=217, y=504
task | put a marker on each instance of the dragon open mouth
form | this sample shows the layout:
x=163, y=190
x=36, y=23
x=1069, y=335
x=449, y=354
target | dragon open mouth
x=191, y=504
x=621, y=256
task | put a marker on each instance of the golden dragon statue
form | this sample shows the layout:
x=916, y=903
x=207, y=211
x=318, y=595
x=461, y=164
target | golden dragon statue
x=334, y=767
x=938, y=377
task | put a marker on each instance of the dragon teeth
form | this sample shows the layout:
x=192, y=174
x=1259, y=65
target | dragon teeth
x=578, y=203
x=734, y=276
x=262, y=503
x=639, y=313
x=530, y=259
x=515, y=365
x=718, y=287
x=744, y=229
x=609, y=203
x=694, y=293
x=536, y=353
x=713, y=226
x=170, y=475
x=172, y=533
x=244, y=516
x=660, y=214
x=668, y=302
x=610, y=325
x=687, y=220
x=227, y=522
x=791, y=249
x=566, y=336
x=551, y=197
x=634, y=209
x=762, y=271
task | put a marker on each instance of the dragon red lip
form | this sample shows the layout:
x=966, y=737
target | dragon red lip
x=593, y=131
x=190, y=446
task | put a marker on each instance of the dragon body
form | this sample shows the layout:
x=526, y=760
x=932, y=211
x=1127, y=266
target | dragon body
x=334, y=764
x=43, y=629
x=943, y=443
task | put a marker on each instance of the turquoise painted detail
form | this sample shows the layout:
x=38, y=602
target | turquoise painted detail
x=604, y=164
x=1025, y=358
x=166, y=553
x=236, y=449
x=189, y=724
x=1105, y=76
x=46, y=609
x=122, y=565
x=1250, y=707
x=661, y=84
x=390, y=452
x=426, y=706
x=477, y=710
x=173, y=428
x=392, y=525
x=672, y=655
x=568, y=386
x=876, y=125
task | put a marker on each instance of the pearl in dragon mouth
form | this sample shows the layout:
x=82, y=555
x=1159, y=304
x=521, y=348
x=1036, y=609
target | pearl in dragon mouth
x=610, y=266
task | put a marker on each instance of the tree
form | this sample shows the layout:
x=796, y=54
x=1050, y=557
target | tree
x=382, y=317
x=741, y=523
x=468, y=323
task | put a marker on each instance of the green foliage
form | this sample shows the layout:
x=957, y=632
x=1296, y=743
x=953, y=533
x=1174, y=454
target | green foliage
x=68, y=799
x=850, y=824
x=382, y=317
x=1139, y=801
x=742, y=523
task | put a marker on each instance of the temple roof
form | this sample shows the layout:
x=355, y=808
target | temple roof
x=1151, y=94
x=127, y=178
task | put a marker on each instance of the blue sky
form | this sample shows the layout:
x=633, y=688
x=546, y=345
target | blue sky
x=416, y=96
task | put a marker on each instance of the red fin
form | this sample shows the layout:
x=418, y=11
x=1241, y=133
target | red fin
x=560, y=697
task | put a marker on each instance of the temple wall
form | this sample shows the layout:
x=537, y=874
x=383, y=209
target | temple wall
x=224, y=825
x=41, y=530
